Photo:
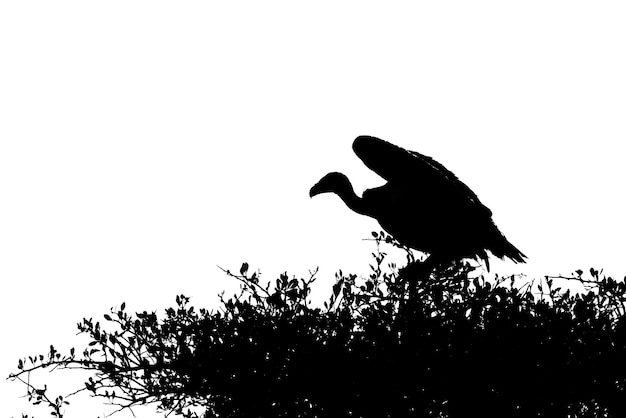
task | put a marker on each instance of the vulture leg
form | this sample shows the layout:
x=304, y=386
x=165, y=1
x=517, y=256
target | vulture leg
x=416, y=272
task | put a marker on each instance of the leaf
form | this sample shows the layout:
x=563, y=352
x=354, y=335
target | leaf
x=243, y=269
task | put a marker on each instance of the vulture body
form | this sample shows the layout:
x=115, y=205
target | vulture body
x=423, y=205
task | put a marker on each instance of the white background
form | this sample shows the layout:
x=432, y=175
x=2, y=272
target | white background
x=144, y=143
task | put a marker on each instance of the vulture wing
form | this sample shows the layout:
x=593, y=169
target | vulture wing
x=428, y=177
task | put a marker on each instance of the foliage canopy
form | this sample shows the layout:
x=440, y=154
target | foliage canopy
x=458, y=346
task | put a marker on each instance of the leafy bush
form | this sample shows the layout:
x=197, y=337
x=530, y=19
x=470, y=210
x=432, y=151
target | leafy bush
x=399, y=343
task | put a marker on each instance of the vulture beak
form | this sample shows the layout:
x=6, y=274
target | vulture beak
x=315, y=190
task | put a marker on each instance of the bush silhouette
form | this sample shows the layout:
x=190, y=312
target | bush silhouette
x=459, y=346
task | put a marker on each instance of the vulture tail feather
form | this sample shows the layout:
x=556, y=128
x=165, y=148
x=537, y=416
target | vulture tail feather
x=505, y=249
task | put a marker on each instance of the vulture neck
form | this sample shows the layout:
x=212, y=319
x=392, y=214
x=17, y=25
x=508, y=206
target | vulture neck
x=353, y=201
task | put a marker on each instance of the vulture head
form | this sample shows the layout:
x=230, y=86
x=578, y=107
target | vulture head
x=333, y=183
x=339, y=184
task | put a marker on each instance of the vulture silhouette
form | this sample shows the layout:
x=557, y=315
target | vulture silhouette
x=423, y=205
